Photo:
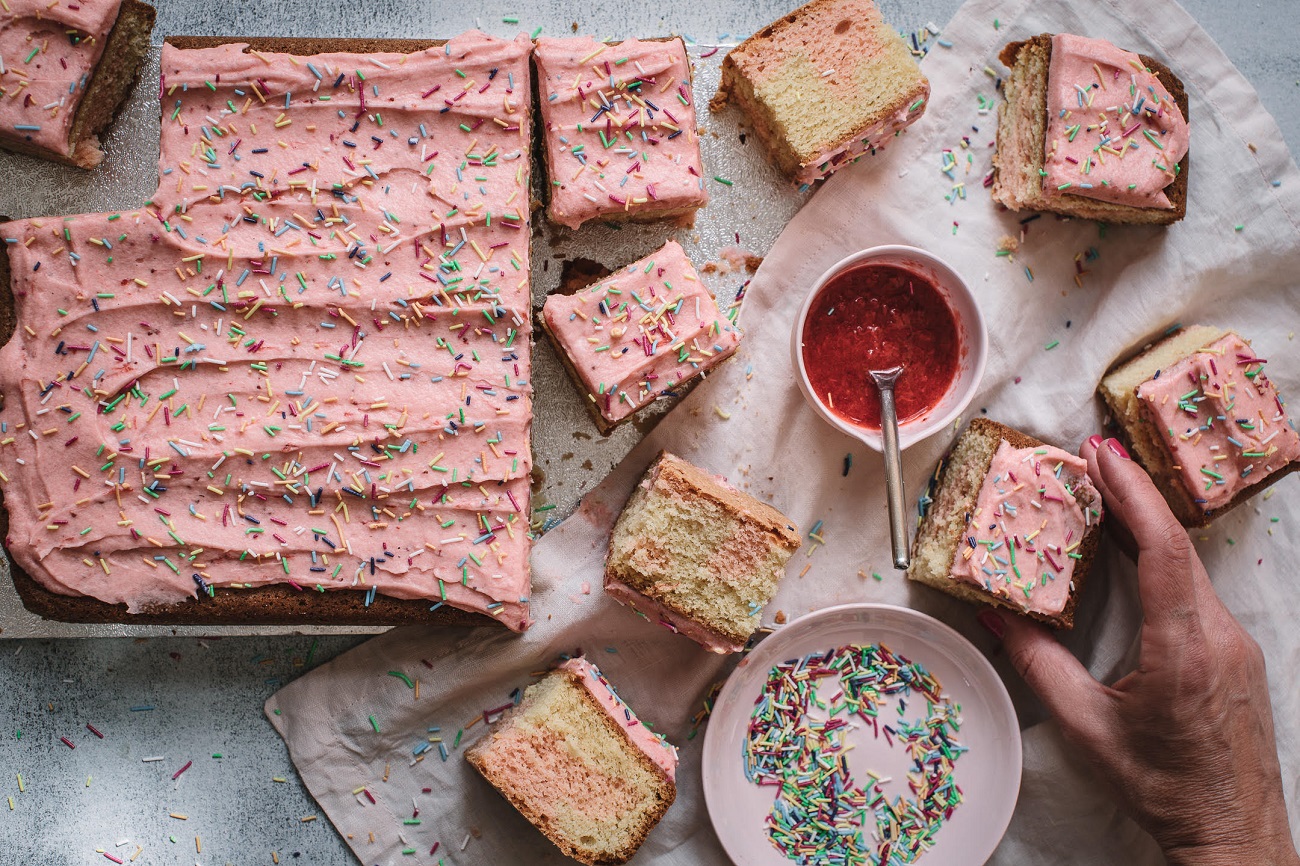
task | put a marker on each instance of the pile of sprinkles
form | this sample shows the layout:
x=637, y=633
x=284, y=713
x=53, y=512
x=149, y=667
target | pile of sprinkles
x=315, y=335
x=797, y=742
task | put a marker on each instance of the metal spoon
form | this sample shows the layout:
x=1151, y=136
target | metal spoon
x=885, y=380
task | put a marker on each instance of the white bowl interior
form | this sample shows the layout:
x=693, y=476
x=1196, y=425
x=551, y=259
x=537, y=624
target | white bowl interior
x=970, y=326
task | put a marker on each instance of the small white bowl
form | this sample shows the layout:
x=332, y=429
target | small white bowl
x=970, y=326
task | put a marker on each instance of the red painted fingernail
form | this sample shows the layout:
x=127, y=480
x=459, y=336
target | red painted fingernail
x=1095, y=440
x=992, y=622
x=1118, y=448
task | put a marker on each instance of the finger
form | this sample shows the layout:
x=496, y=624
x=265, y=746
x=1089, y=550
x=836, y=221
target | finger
x=1171, y=579
x=1116, y=530
x=1076, y=700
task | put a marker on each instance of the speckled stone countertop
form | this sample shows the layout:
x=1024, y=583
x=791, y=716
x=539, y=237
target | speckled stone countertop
x=196, y=704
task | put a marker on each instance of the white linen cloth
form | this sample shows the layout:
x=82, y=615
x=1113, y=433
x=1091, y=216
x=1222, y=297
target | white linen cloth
x=1139, y=282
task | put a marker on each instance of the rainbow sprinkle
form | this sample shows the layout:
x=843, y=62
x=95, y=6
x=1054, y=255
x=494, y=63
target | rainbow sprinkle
x=796, y=741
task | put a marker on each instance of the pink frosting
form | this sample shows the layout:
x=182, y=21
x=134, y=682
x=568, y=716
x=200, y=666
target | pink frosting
x=619, y=126
x=656, y=611
x=643, y=331
x=285, y=370
x=1222, y=420
x=869, y=139
x=1113, y=131
x=1033, y=510
x=655, y=747
x=44, y=68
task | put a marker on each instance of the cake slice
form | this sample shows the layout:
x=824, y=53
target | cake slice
x=1198, y=412
x=1089, y=130
x=1012, y=522
x=65, y=69
x=575, y=761
x=618, y=130
x=697, y=555
x=826, y=84
x=644, y=332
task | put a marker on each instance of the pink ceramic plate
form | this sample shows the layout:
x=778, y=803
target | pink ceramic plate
x=988, y=774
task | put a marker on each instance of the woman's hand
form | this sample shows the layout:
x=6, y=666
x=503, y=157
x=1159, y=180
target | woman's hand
x=1185, y=742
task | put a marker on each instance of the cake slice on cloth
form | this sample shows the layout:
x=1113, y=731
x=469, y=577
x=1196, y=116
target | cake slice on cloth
x=697, y=555
x=1199, y=414
x=1012, y=522
x=619, y=130
x=644, y=332
x=1090, y=130
x=65, y=69
x=826, y=84
x=575, y=761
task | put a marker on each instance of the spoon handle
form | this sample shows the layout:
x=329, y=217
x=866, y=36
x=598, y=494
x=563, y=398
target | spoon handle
x=894, y=477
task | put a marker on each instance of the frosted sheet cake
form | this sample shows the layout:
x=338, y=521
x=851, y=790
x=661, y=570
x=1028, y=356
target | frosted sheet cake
x=304, y=365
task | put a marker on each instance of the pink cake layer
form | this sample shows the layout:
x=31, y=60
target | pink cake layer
x=284, y=369
x=619, y=128
x=648, y=328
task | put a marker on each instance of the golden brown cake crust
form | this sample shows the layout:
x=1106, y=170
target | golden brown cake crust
x=977, y=595
x=474, y=754
x=1082, y=206
x=1169, y=483
x=270, y=605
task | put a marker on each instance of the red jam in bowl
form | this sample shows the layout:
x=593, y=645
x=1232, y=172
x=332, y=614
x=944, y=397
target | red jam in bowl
x=873, y=316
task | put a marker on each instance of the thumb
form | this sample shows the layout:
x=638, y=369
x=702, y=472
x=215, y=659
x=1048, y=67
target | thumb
x=1061, y=682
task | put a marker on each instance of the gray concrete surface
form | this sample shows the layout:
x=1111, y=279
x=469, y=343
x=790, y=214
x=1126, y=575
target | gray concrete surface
x=206, y=695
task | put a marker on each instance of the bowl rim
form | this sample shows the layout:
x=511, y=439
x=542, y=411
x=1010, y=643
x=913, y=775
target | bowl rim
x=910, y=432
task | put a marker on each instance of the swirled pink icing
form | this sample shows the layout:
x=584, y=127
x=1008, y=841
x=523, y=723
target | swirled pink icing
x=48, y=52
x=618, y=128
x=647, y=329
x=1113, y=131
x=655, y=747
x=307, y=360
x=1222, y=420
x=1031, y=514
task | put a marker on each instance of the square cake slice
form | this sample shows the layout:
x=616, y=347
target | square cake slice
x=1012, y=522
x=618, y=130
x=575, y=761
x=697, y=555
x=1090, y=130
x=645, y=331
x=826, y=84
x=65, y=69
x=1200, y=415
